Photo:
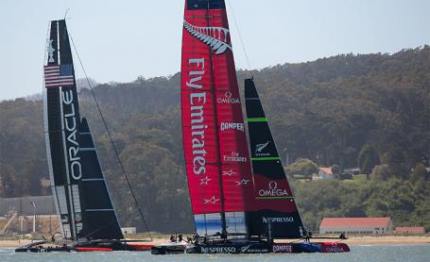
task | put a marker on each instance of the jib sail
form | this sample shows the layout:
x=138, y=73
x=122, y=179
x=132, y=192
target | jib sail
x=273, y=198
x=81, y=195
x=214, y=139
x=100, y=221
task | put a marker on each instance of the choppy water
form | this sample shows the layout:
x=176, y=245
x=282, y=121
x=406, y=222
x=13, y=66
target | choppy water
x=401, y=253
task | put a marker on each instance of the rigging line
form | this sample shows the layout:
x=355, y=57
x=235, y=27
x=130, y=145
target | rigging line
x=116, y=152
x=66, y=13
x=242, y=43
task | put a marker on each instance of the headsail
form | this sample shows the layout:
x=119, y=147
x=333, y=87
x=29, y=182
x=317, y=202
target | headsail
x=68, y=165
x=99, y=218
x=214, y=139
x=274, y=200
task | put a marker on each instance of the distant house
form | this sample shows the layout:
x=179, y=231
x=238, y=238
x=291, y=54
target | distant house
x=45, y=182
x=128, y=230
x=410, y=230
x=357, y=225
x=324, y=173
x=352, y=171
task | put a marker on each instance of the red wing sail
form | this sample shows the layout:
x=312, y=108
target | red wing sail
x=214, y=139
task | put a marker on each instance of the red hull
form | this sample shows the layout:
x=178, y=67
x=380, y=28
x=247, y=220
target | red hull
x=93, y=249
x=334, y=247
x=139, y=247
x=121, y=247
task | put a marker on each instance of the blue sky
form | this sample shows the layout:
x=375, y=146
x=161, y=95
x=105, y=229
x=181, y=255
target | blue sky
x=121, y=40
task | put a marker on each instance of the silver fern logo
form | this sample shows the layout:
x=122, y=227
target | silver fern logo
x=260, y=147
x=215, y=37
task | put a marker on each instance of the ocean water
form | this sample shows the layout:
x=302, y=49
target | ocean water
x=400, y=253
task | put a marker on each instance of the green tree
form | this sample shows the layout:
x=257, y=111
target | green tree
x=303, y=167
x=367, y=159
x=419, y=173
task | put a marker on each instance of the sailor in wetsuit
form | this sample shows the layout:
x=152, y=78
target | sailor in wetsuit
x=308, y=236
x=172, y=238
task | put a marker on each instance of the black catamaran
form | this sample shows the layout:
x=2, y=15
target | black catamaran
x=88, y=219
x=276, y=214
x=241, y=202
x=79, y=187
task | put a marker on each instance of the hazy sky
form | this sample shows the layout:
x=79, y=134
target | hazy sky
x=121, y=40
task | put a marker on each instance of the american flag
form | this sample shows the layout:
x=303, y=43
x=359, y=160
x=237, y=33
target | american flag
x=58, y=75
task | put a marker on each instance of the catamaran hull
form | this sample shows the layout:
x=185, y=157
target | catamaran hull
x=43, y=247
x=170, y=249
x=252, y=248
x=41, y=250
x=87, y=248
x=112, y=246
x=261, y=248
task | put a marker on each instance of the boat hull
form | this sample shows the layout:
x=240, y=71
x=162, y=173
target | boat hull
x=170, y=249
x=43, y=248
x=251, y=248
x=106, y=246
x=95, y=246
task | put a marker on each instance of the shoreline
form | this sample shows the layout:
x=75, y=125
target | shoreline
x=352, y=241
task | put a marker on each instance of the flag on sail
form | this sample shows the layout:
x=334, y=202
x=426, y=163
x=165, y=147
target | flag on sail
x=58, y=75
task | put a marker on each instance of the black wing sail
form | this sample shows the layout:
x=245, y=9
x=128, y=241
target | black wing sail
x=61, y=127
x=99, y=217
x=76, y=199
x=274, y=201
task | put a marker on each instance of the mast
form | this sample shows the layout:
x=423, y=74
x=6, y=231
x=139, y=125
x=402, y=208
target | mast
x=276, y=211
x=215, y=146
x=213, y=87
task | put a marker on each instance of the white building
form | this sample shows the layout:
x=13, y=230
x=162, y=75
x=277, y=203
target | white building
x=128, y=231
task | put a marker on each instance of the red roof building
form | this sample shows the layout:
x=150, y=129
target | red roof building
x=410, y=230
x=356, y=225
x=324, y=173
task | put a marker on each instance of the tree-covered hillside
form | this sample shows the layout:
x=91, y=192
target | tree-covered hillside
x=371, y=111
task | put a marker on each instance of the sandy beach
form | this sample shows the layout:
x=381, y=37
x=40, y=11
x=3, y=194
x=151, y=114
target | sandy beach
x=388, y=240
x=355, y=240
x=12, y=243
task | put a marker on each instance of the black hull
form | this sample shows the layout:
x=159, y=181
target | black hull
x=92, y=246
x=170, y=249
x=252, y=247
x=40, y=249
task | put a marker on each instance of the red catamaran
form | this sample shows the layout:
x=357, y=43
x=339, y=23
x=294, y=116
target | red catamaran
x=237, y=208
